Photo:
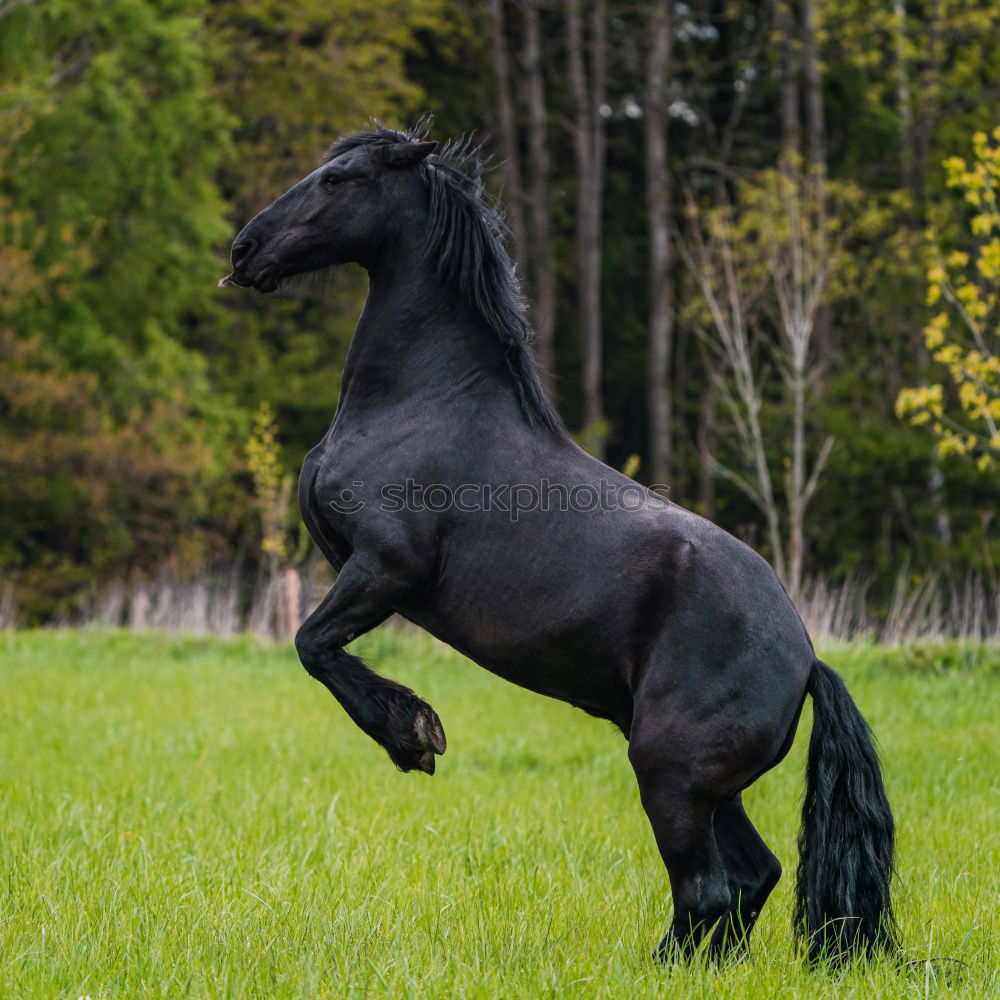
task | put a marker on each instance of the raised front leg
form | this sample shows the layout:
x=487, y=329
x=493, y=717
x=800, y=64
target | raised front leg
x=392, y=715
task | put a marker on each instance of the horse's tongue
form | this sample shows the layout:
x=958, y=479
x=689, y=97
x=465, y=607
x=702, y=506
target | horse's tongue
x=227, y=280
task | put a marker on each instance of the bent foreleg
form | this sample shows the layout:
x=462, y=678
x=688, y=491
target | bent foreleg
x=391, y=714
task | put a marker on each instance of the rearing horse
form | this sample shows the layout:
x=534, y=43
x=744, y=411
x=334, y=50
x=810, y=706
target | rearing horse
x=622, y=604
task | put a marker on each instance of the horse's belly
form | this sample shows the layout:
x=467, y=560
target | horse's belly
x=561, y=663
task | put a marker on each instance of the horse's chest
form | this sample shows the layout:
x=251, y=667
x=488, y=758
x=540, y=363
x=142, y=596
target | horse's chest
x=336, y=470
x=351, y=480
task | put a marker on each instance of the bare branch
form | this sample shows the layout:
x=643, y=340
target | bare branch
x=817, y=470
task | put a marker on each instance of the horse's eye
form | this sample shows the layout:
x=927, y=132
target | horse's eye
x=331, y=178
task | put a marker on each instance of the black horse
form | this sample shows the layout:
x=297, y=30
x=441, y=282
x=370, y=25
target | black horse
x=447, y=490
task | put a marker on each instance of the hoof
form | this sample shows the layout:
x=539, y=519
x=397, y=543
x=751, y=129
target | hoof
x=416, y=737
x=430, y=732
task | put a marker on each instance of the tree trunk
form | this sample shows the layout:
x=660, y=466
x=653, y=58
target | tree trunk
x=796, y=488
x=904, y=99
x=789, y=49
x=942, y=522
x=538, y=159
x=815, y=117
x=816, y=124
x=926, y=110
x=658, y=192
x=510, y=171
x=707, y=431
x=588, y=97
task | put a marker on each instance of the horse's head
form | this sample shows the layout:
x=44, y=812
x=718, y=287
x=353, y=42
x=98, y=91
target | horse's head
x=345, y=211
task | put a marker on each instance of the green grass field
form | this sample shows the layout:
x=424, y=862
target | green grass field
x=198, y=818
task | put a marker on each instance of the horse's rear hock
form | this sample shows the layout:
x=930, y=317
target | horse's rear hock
x=688, y=766
x=680, y=813
x=752, y=869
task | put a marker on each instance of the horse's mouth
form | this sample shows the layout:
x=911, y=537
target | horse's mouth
x=265, y=280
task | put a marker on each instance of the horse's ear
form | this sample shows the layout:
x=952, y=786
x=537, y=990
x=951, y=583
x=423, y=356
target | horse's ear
x=405, y=154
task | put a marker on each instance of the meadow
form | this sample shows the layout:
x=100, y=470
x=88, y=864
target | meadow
x=197, y=818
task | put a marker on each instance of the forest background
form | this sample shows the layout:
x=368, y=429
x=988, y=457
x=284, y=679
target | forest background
x=760, y=239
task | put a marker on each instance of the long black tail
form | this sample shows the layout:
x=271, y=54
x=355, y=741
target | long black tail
x=847, y=840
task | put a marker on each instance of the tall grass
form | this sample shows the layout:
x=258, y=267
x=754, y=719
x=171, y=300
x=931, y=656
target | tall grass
x=195, y=818
x=934, y=606
x=930, y=607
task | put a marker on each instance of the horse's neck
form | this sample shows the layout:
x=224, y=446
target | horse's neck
x=415, y=340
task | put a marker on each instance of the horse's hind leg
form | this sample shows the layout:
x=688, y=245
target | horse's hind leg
x=679, y=798
x=753, y=872
x=405, y=725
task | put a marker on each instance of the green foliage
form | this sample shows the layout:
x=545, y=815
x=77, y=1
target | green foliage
x=134, y=137
x=964, y=335
x=192, y=818
x=137, y=136
x=115, y=442
x=295, y=75
x=111, y=142
x=272, y=486
x=86, y=495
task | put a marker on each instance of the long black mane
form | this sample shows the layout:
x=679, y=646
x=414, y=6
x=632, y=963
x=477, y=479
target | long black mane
x=466, y=237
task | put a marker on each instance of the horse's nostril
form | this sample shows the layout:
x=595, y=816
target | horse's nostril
x=243, y=250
